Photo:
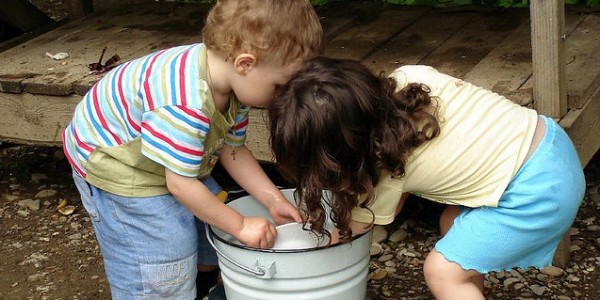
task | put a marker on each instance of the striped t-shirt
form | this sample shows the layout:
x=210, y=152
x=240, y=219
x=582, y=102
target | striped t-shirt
x=147, y=114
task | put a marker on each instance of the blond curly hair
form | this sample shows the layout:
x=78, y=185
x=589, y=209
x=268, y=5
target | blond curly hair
x=280, y=31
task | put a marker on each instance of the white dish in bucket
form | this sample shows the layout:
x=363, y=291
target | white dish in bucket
x=292, y=236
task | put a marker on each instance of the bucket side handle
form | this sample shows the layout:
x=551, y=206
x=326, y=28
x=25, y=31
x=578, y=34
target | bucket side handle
x=258, y=270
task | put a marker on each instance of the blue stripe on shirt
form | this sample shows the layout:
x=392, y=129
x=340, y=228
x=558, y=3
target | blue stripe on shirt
x=170, y=152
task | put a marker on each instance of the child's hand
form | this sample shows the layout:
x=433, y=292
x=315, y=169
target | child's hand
x=257, y=232
x=284, y=212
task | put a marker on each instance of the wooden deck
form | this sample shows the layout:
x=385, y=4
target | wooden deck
x=489, y=47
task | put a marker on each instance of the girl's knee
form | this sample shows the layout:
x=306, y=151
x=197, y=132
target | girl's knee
x=448, y=280
x=438, y=270
x=432, y=268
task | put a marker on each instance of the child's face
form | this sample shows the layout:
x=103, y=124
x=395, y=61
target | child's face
x=259, y=85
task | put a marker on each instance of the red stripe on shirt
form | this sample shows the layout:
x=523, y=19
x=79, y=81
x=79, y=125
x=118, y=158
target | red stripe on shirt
x=131, y=122
x=80, y=143
x=241, y=124
x=69, y=158
x=194, y=114
x=149, y=98
x=182, y=68
x=101, y=116
x=170, y=142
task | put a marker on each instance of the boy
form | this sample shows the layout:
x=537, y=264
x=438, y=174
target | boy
x=145, y=133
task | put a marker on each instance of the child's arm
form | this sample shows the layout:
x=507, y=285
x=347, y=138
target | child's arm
x=252, y=231
x=245, y=170
x=359, y=228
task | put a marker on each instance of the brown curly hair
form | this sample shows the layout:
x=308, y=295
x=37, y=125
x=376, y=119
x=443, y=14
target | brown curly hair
x=336, y=126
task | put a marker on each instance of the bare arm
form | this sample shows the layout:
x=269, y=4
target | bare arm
x=359, y=228
x=252, y=231
x=245, y=170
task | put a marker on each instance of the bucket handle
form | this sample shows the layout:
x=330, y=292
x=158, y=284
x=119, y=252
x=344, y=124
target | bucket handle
x=258, y=270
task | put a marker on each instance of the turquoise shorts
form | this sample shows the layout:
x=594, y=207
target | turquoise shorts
x=150, y=245
x=536, y=210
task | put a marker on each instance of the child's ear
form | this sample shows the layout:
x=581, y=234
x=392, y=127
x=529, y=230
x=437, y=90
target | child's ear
x=244, y=63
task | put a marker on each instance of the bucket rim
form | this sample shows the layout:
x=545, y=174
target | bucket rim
x=214, y=235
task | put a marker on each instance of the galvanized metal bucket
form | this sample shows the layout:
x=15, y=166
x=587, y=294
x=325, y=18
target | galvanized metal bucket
x=336, y=272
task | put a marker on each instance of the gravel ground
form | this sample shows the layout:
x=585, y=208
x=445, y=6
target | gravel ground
x=51, y=253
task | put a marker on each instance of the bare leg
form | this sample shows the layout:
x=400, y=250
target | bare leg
x=448, y=281
x=447, y=218
x=446, y=221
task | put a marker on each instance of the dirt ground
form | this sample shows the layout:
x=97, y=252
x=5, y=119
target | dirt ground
x=46, y=254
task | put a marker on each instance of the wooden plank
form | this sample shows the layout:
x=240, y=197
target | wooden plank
x=471, y=43
x=582, y=61
x=416, y=42
x=548, y=55
x=35, y=119
x=258, y=135
x=28, y=60
x=337, y=17
x=509, y=66
x=580, y=55
x=583, y=126
x=40, y=120
x=380, y=26
x=512, y=57
x=151, y=26
x=179, y=25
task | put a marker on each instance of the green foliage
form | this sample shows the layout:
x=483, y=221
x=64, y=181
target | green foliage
x=501, y=3
x=512, y=3
x=525, y=3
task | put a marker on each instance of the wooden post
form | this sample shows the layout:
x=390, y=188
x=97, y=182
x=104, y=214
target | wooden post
x=549, y=69
x=563, y=252
x=548, y=54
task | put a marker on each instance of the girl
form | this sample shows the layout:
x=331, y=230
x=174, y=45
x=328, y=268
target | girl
x=512, y=179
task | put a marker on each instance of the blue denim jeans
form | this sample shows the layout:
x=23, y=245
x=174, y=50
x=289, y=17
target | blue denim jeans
x=150, y=245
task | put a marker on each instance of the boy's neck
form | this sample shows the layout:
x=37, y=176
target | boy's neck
x=217, y=71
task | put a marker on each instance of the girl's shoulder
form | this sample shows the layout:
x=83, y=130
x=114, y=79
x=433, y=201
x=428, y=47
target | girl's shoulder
x=423, y=74
x=413, y=70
